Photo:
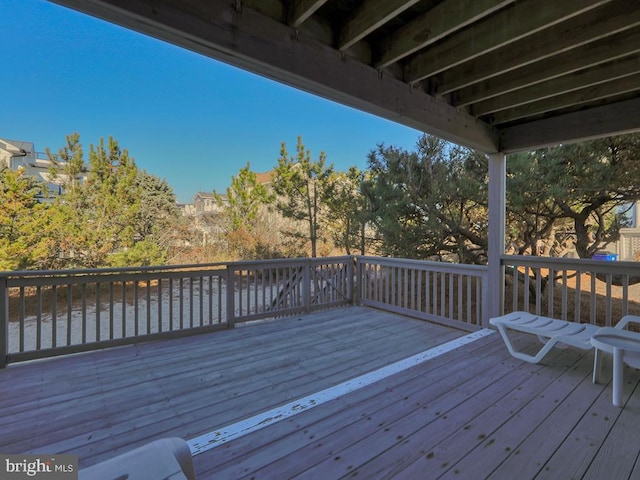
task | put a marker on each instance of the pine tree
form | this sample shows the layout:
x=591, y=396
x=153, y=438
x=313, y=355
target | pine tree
x=301, y=184
x=23, y=222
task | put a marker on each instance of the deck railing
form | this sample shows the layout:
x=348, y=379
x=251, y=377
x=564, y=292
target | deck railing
x=447, y=293
x=46, y=313
x=581, y=290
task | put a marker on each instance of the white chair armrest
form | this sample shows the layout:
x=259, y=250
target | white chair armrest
x=626, y=320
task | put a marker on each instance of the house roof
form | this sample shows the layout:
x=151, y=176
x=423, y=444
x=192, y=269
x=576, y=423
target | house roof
x=17, y=146
x=208, y=195
x=264, y=177
x=496, y=75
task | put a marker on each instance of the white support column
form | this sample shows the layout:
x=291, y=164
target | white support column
x=497, y=219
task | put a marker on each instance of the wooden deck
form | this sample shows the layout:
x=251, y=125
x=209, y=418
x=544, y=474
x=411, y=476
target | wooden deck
x=471, y=413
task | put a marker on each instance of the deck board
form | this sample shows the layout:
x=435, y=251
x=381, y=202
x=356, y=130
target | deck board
x=288, y=449
x=619, y=453
x=428, y=429
x=473, y=412
x=109, y=401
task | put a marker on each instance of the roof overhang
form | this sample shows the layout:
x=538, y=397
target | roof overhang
x=494, y=75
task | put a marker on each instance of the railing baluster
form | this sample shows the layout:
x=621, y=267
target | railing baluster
x=21, y=319
x=239, y=283
x=434, y=297
x=84, y=312
x=136, y=315
x=406, y=287
x=564, y=294
x=578, y=297
x=516, y=285
x=38, y=317
x=255, y=290
x=460, y=311
x=54, y=316
x=201, y=281
x=124, y=309
x=443, y=294
x=190, y=302
x=539, y=292
x=469, y=311
x=609, y=307
x=625, y=295
x=148, y=296
x=219, y=299
x=181, y=303
x=210, y=284
x=479, y=298
x=592, y=300
x=525, y=288
x=159, y=302
x=427, y=292
x=551, y=288
x=98, y=308
x=248, y=292
x=111, y=323
x=69, y=312
x=171, y=315
x=230, y=282
x=450, y=312
x=4, y=321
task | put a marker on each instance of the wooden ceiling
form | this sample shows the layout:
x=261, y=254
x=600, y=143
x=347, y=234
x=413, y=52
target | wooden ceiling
x=496, y=75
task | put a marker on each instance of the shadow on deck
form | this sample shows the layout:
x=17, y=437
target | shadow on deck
x=473, y=412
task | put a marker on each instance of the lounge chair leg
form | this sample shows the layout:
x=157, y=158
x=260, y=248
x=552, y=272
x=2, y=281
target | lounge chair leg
x=617, y=376
x=597, y=366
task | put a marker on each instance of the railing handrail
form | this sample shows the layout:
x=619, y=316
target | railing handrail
x=599, y=266
x=195, y=267
x=110, y=270
x=84, y=278
x=425, y=264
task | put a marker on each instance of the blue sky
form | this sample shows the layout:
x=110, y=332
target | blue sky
x=189, y=119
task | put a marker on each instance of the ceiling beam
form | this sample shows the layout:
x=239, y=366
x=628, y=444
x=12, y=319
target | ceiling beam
x=613, y=119
x=605, y=72
x=301, y=10
x=247, y=39
x=371, y=15
x=586, y=95
x=587, y=56
x=503, y=28
x=596, y=24
x=442, y=20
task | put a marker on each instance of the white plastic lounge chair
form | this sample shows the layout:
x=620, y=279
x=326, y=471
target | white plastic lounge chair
x=549, y=330
x=168, y=459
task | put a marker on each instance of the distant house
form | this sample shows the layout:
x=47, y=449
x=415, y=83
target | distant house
x=18, y=155
x=206, y=212
x=205, y=203
x=628, y=246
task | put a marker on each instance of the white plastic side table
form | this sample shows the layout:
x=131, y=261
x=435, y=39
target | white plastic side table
x=625, y=347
